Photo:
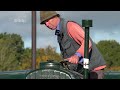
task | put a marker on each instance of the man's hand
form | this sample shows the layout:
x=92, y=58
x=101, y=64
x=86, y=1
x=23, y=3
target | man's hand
x=73, y=59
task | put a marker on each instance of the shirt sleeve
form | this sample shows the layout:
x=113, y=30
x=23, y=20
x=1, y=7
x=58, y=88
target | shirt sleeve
x=76, y=32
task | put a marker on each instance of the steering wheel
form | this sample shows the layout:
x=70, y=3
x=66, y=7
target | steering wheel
x=65, y=64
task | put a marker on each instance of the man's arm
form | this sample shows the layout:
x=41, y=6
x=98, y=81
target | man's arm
x=76, y=32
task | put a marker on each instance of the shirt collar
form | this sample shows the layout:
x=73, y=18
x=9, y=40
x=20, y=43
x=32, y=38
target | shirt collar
x=58, y=26
x=57, y=32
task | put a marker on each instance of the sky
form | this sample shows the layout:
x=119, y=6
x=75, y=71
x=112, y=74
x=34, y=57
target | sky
x=106, y=26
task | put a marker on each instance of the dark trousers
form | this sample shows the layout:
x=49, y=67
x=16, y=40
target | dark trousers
x=99, y=74
x=92, y=74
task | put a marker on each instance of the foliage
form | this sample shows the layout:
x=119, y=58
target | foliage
x=11, y=49
x=48, y=53
x=25, y=62
x=110, y=50
x=42, y=54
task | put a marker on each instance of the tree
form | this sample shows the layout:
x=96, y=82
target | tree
x=25, y=62
x=48, y=53
x=110, y=50
x=11, y=49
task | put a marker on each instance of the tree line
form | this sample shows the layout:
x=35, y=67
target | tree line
x=13, y=55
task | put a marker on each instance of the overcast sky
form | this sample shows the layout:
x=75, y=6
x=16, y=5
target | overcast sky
x=106, y=26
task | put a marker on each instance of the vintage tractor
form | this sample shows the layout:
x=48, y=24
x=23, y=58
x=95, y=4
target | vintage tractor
x=53, y=70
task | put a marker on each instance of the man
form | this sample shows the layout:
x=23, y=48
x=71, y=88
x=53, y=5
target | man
x=70, y=36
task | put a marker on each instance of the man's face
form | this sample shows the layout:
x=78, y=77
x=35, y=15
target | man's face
x=52, y=23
